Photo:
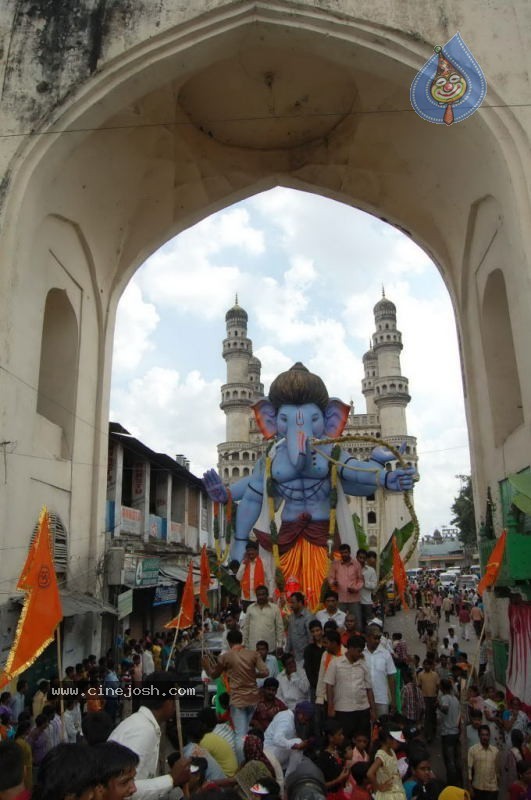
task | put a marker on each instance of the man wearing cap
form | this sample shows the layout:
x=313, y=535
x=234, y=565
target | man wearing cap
x=252, y=573
x=382, y=670
x=283, y=738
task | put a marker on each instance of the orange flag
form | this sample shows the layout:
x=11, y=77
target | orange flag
x=42, y=611
x=492, y=570
x=185, y=617
x=399, y=574
x=205, y=576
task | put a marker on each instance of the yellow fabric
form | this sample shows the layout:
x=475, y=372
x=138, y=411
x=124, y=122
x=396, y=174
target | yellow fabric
x=454, y=793
x=222, y=752
x=308, y=564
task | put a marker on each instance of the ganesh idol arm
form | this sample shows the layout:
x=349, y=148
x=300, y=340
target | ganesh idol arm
x=362, y=478
x=249, y=508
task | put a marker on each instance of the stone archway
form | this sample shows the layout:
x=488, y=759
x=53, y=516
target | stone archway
x=179, y=113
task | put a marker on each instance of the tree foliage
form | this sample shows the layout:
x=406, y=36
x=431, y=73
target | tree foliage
x=463, y=511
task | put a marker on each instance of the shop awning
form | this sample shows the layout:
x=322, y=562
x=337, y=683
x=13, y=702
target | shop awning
x=78, y=603
x=180, y=574
x=521, y=482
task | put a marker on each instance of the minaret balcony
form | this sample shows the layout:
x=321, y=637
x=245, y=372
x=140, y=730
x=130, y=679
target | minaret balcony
x=235, y=403
x=237, y=391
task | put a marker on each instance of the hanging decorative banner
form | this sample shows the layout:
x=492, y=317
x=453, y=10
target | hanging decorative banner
x=450, y=86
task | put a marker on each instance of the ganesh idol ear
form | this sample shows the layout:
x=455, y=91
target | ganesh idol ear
x=335, y=416
x=266, y=417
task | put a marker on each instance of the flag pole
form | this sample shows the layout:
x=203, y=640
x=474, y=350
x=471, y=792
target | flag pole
x=178, y=723
x=177, y=629
x=60, y=670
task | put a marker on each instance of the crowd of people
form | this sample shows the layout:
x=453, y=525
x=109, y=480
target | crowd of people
x=325, y=700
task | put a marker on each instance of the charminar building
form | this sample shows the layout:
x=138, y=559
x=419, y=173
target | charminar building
x=386, y=393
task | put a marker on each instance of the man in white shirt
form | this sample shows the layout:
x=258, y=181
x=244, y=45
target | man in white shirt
x=141, y=733
x=262, y=648
x=331, y=611
x=381, y=669
x=281, y=737
x=293, y=685
x=370, y=584
x=148, y=664
x=263, y=621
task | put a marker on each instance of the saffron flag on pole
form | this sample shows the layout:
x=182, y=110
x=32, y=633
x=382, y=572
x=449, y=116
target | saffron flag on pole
x=185, y=617
x=492, y=570
x=205, y=576
x=399, y=574
x=42, y=611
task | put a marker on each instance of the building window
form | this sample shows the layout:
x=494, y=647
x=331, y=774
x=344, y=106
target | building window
x=235, y=472
x=59, y=542
x=371, y=518
x=59, y=365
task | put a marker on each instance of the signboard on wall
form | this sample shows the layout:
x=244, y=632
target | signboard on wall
x=141, y=572
x=165, y=593
x=131, y=520
x=124, y=603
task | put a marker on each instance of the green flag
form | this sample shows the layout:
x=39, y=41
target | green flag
x=386, y=556
x=360, y=533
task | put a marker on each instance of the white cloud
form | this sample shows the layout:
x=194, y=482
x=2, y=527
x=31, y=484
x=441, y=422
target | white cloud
x=136, y=322
x=171, y=414
x=186, y=273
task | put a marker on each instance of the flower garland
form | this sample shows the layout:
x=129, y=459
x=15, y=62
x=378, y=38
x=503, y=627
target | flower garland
x=270, y=488
x=222, y=556
x=335, y=455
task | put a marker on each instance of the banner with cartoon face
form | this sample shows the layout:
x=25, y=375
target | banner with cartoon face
x=450, y=86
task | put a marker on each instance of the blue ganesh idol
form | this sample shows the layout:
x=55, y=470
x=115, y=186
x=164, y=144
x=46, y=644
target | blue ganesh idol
x=308, y=480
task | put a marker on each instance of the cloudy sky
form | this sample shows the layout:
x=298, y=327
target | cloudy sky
x=308, y=271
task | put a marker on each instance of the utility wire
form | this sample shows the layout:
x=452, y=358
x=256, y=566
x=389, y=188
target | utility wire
x=216, y=120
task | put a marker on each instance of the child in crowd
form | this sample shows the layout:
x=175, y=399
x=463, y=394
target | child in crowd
x=358, y=787
x=360, y=752
x=383, y=774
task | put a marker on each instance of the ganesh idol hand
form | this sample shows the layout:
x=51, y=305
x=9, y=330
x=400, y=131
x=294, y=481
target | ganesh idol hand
x=400, y=480
x=382, y=455
x=214, y=486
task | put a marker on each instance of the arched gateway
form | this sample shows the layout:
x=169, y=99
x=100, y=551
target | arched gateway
x=124, y=123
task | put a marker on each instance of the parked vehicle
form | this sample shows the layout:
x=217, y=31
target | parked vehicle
x=188, y=668
x=467, y=581
x=447, y=579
